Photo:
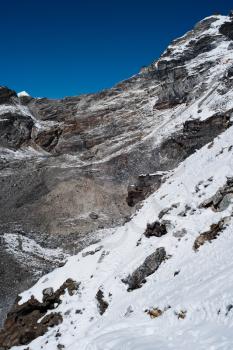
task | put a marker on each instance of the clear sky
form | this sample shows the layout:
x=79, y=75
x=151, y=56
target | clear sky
x=61, y=48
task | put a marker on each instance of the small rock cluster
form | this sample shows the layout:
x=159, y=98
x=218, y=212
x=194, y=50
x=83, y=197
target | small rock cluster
x=22, y=326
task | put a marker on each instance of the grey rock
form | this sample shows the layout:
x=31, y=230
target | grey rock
x=156, y=229
x=48, y=292
x=221, y=199
x=129, y=311
x=92, y=252
x=148, y=267
x=93, y=215
x=225, y=202
x=181, y=233
x=101, y=302
x=15, y=130
x=227, y=29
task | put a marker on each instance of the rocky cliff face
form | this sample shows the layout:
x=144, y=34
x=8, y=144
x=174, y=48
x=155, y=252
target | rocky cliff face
x=66, y=165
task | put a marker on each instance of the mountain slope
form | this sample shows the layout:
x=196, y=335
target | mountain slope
x=65, y=168
x=192, y=283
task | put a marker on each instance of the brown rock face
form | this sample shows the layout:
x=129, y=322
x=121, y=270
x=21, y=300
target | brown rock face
x=209, y=235
x=22, y=326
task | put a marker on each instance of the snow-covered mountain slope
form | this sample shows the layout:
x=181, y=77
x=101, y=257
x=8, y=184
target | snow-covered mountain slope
x=65, y=167
x=187, y=301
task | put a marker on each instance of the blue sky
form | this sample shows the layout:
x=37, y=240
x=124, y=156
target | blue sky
x=61, y=48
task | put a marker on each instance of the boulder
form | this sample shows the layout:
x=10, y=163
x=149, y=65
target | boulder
x=148, y=267
x=101, y=302
x=155, y=229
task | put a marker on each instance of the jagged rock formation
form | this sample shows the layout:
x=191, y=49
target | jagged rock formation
x=63, y=160
x=28, y=321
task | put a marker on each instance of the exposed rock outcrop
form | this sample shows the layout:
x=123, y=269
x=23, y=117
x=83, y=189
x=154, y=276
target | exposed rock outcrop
x=155, y=229
x=148, y=267
x=30, y=320
x=227, y=29
x=144, y=186
x=15, y=130
x=48, y=139
x=222, y=199
x=210, y=235
x=195, y=134
x=102, y=303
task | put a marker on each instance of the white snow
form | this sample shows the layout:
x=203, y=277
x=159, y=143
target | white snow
x=203, y=287
x=22, y=94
